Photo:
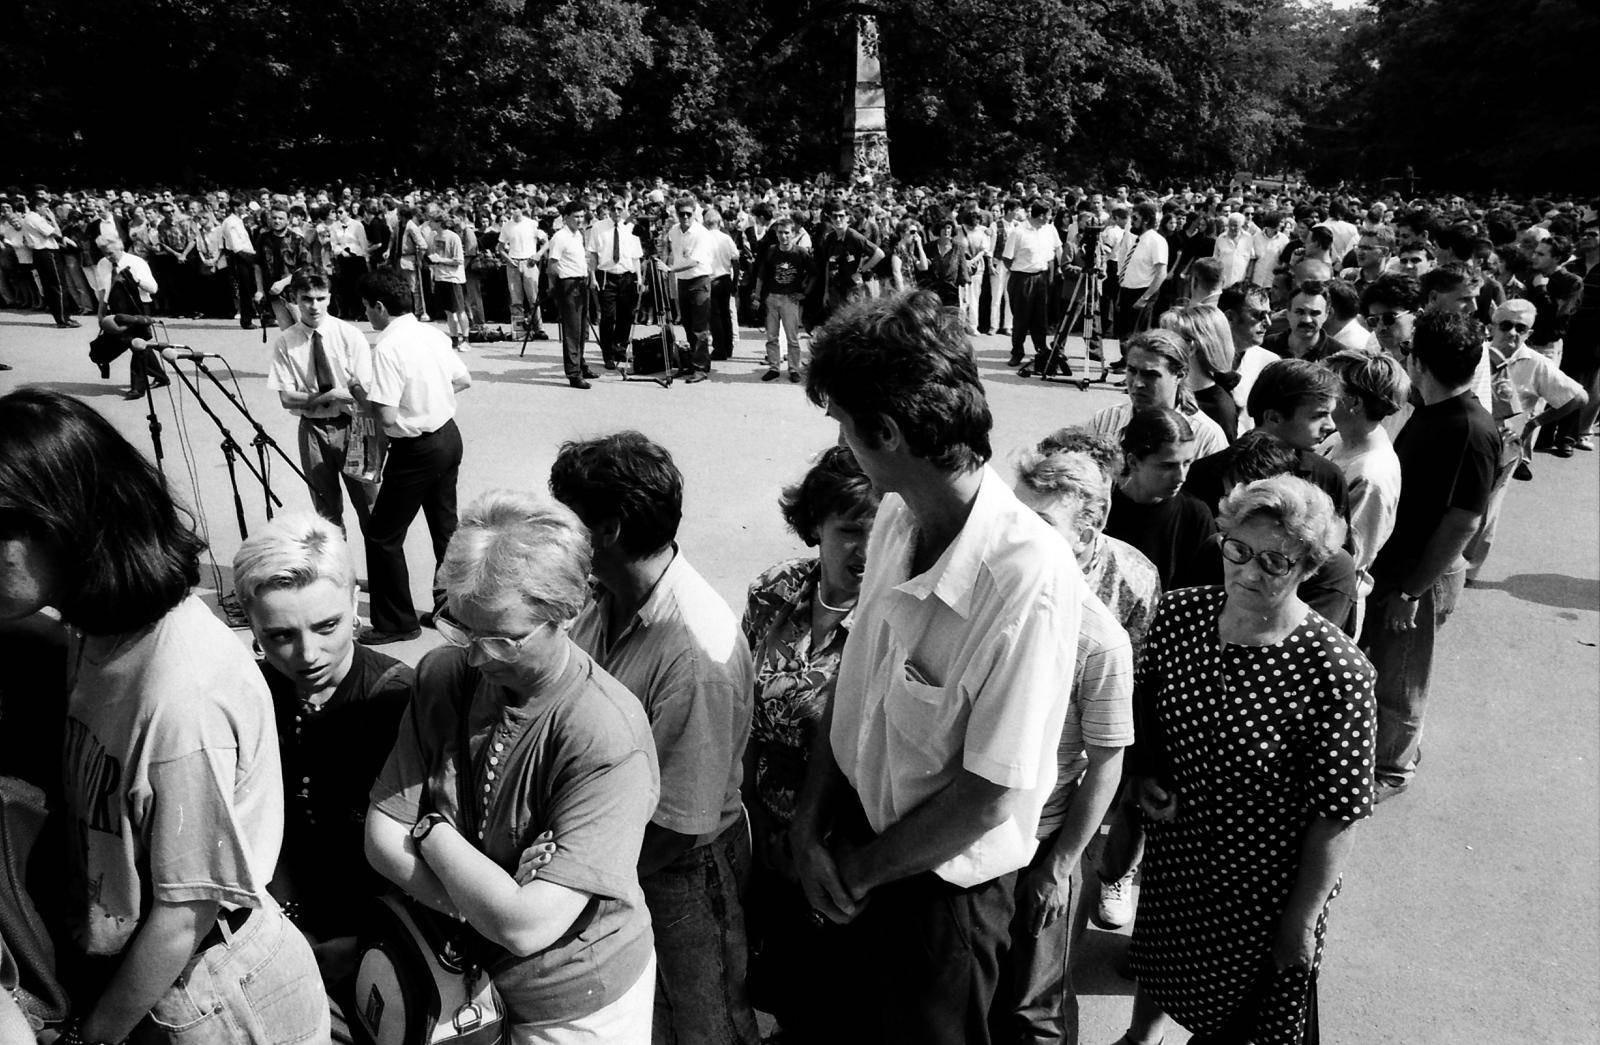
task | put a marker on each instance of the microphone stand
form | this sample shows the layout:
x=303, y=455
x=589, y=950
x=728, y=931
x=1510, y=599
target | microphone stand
x=262, y=442
x=230, y=450
x=155, y=422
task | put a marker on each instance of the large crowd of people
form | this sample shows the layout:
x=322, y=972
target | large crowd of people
x=1202, y=623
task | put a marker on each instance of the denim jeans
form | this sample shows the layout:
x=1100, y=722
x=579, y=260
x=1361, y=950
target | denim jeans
x=1404, y=663
x=783, y=312
x=701, y=949
x=260, y=987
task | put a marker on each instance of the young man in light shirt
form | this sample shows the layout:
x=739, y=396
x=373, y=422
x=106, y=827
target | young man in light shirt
x=614, y=255
x=567, y=259
x=447, y=264
x=136, y=287
x=522, y=244
x=1031, y=249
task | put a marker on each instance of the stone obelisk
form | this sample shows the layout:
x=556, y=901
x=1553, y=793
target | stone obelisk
x=865, y=148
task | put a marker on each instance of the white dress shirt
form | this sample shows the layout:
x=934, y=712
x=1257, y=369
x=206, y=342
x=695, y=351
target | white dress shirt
x=724, y=252
x=570, y=256
x=234, y=236
x=691, y=248
x=1030, y=249
x=616, y=248
x=294, y=370
x=129, y=263
x=415, y=370
x=1148, y=251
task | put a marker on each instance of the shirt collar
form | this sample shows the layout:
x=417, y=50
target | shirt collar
x=397, y=324
x=952, y=578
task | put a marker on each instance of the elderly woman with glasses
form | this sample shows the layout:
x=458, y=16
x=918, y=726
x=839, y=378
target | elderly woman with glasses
x=1255, y=720
x=514, y=736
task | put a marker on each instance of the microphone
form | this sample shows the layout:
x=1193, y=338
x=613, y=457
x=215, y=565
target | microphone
x=173, y=353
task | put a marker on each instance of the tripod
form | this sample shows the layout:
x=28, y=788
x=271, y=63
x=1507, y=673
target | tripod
x=1082, y=311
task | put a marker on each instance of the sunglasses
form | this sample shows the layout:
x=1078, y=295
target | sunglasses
x=1387, y=319
x=1273, y=564
x=1506, y=327
x=686, y=214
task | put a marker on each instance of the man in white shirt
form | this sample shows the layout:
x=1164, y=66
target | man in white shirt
x=1143, y=268
x=42, y=235
x=125, y=287
x=522, y=244
x=1265, y=248
x=568, y=261
x=689, y=255
x=923, y=797
x=240, y=253
x=1109, y=252
x=321, y=369
x=447, y=264
x=348, y=240
x=1234, y=249
x=1030, y=250
x=980, y=251
x=614, y=255
x=724, y=257
x=415, y=378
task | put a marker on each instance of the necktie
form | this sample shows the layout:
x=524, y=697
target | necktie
x=319, y=359
x=616, y=242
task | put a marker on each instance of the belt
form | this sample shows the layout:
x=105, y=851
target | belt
x=234, y=920
x=608, y=277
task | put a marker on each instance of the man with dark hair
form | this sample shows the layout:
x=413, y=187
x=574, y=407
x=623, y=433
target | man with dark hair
x=1205, y=281
x=321, y=369
x=1373, y=248
x=1032, y=248
x=843, y=257
x=1389, y=306
x=42, y=235
x=568, y=261
x=280, y=253
x=656, y=626
x=1249, y=311
x=415, y=378
x=924, y=790
x=1292, y=400
x=1452, y=287
x=1142, y=270
x=1304, y=338
x=1448, y=454
x=614, y=254
x=1344, y=309
x=1413, y=259
x=690, y=256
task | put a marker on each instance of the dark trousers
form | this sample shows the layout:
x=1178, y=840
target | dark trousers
x=1130, y=319
x=572, y=304
x=51, y=282
x=1030, y=299
x=420, y=475
x=619, y=295
x=144, y=369
x=694, y=304
x=347, y=273
x=936, y=952
x=323, y=445
x=1038, y=1005
x=722, y=317
x=242, y=270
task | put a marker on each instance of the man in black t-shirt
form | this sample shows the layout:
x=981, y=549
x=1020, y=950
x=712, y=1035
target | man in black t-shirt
x=844, y=257
x=784, y=276
x=1448, y=451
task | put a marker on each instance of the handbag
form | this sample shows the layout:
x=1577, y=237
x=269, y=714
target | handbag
x=365, y=449
x=420, y=975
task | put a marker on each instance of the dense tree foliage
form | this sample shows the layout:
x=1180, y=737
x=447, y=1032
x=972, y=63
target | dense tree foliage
x=1471, y=91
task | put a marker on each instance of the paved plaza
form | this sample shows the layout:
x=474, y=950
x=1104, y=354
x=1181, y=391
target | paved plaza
x=1471, y=905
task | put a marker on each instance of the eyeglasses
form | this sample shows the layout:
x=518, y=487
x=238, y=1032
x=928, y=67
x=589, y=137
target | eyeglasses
x=1387, y=319
x=1506, y=327
x=1273, y=564
x=686, y=214
x=498, y=647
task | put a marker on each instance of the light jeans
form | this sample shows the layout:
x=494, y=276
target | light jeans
x=1403, y=661
x=259, y=987
x=783, y=311
x=625, y=1021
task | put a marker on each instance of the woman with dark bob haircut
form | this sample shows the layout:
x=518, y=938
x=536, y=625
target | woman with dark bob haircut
x=796, y=620
x=171, y=774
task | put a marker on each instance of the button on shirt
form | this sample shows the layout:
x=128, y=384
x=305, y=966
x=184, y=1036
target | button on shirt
x=414, y=370
x=962, y=667
x=1032, y=249
x=616, y=250
x=294, y=367
x=569, y=254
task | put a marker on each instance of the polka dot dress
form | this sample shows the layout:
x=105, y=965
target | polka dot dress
x=1259, y=740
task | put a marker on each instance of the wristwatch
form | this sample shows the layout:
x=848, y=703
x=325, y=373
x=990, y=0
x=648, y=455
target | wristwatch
x=1406, y=596
x=421, y=828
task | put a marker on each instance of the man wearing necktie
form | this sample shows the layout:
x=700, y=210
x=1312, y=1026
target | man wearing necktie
x=614, y=253
x=321, y=369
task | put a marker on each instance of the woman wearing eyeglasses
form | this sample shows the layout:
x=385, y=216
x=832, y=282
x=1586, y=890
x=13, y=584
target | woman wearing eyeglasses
x=554, y=746
x=1256, y=722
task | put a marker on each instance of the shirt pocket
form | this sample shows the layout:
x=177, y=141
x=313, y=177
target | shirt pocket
x=926, y=723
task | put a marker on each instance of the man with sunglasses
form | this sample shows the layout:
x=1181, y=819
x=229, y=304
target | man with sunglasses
x=844, y=257
x=1523, y=381
x=1249, y=311
x=690, y=254
x=1390, y=306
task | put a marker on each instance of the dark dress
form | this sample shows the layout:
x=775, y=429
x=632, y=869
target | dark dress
x=1256, y=741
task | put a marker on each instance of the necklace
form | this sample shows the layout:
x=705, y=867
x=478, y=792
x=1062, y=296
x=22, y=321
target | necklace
x=825, y=604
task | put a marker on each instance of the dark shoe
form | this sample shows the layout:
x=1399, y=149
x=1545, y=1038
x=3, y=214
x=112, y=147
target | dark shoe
x=1015, y=360
x=1026, y=371
x=72, y=323
x=590, y=374
x=1003, y=331
x=610, y=364
x=1583, y=443
x=794, y=378
x=163, y=383
x=7, y=366
x=1562, y=449
x=1119, y=367
x=374, y=637
x=540, y=335
x=771, y=375
x=104, y=368
x=696, y=376
x=1522, y=472
x=426, y=620
x=1383, y=790
x=131, y=394
x=578, y=382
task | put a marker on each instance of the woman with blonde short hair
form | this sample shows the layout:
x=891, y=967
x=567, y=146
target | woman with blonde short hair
x=1211, y=378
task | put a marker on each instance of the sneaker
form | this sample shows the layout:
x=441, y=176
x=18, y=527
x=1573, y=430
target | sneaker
x=1115, y=908
x=771, y=375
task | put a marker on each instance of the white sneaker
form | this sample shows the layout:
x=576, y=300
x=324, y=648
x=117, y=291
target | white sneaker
x=1116, y=903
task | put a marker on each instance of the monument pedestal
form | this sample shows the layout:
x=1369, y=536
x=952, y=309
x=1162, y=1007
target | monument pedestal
x=865, y=147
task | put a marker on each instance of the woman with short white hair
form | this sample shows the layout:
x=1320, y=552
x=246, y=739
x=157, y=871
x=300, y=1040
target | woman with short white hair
x=553, y=747
x=1255, y=758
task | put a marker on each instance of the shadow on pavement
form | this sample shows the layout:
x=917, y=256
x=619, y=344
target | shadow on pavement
x=1549, y=589
x=87, y=389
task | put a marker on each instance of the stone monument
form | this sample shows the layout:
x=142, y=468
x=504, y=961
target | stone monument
x=865, y=149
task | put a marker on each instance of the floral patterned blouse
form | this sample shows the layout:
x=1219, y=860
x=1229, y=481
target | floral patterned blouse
x=793, y=679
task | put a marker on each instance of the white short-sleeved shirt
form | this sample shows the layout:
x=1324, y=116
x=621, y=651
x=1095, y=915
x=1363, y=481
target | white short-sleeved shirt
x=1235, y=255
x=1032, y=249
x=1149, y=251
x=293, y=369
x=1268, y=246
x=520, y=238
x=130, y=263
x=1208, y=435
x=692, y=247
x=616, y=248
x=571, y=257
x=960, y=668
x=1254, y=360
x=1373, y=475
x=414, y=370
x=1533, y=378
